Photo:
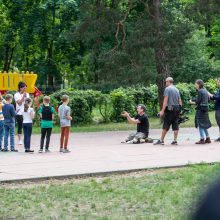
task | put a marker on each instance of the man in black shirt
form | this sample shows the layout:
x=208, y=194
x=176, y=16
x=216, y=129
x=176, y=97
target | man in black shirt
x=142, y=122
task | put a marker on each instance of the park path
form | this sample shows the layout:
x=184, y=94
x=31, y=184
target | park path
x=100, y=152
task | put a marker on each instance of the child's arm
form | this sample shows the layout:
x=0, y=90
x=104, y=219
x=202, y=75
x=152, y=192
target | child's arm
x=40, y=112
x=32, y=114
x=12, y=111
x=68, y=115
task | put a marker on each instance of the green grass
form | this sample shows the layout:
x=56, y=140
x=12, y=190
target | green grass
x=97, y=127
x=159, y=194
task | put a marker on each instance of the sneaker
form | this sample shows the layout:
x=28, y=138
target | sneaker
x=66, y=151
x=20, y=142
x=14, y=150
x=142, y=141
x=129, y=142
x=217, y=140
x=29, y=151
x=174, y=143
x=159, y=142
x=40, y=151
x=4, y=150
x=47, y=151
x=61, y=150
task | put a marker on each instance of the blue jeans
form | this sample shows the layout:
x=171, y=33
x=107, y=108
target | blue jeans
x=203, y=133
x=27, y=127
x=1, y=133
x=9, y=130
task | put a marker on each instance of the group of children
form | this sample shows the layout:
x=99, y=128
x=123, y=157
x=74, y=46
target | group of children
x=24, y=115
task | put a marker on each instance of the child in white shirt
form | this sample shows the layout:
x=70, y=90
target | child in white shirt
x=28, y=116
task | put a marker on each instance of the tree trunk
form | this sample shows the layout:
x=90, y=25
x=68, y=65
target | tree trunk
x=161, y=60
x=50, y=64
x=6, y=58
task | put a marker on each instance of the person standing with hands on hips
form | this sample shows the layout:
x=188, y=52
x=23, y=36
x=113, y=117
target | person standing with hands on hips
x=20, y=98
x=170, y=111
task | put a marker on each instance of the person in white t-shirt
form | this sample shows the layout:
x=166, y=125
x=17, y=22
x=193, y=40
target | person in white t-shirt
x=20, y=98
x=28, y=116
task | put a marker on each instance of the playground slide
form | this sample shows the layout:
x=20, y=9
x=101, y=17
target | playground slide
x=9, y=81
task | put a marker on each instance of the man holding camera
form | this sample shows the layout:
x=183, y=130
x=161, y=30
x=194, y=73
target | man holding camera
x=170, y=111
x=142, y=122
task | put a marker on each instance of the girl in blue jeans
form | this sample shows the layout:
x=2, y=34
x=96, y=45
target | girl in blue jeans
x=28, y=116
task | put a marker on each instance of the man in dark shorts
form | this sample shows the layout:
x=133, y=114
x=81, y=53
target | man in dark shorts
x=142, y=122
x=170, y=111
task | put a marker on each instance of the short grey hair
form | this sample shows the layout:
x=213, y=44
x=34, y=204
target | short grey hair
x=170, y=79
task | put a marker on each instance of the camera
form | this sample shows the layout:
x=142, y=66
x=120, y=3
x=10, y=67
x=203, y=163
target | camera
x=183, y=117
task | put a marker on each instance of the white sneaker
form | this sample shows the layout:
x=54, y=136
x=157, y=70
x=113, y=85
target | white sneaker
x=20, y=142
x=129, y=142
x=142, y=140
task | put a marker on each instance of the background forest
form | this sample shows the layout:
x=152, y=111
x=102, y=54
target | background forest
x=106, y=44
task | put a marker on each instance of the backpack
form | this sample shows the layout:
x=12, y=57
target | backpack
x=47, y=113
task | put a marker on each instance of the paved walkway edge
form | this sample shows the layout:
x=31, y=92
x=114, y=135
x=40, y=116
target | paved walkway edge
x=98, y=174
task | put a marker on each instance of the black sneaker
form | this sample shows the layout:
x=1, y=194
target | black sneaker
x=14, y=150
x=159, y=142
x=174, y=143
x=29, y=151
x=4, y=150
x=217, y=140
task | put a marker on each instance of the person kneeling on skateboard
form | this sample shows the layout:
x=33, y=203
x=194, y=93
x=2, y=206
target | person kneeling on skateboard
x=142, y=122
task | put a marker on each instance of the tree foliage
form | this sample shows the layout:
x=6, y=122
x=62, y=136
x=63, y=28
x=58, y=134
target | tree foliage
x=106, y=44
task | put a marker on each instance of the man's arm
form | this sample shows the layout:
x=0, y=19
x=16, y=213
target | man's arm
x=165, y=101
x=130, y=119
x=20, y=101
x=180, y=102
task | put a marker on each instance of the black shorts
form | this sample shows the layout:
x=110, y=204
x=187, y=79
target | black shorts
x=19, y=119
x=171, y=118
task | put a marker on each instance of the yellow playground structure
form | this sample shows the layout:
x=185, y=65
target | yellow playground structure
x=9, y=81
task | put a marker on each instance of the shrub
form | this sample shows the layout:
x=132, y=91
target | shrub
x=121, y=102
x=187, y=92
x=81, y=102
x=212, y=87
x=80, y=110
x=105, y=107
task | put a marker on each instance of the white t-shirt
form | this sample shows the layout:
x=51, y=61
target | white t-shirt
x=20, y=108
x=27, y=116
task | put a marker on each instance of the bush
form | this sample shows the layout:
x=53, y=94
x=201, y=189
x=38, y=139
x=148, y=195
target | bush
x=80, y=110
x=212, y=87
x=81, y=103
x=121, y=102
x=105, y=107
x=151, y=100
x=110, y=106
x=187, y=92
